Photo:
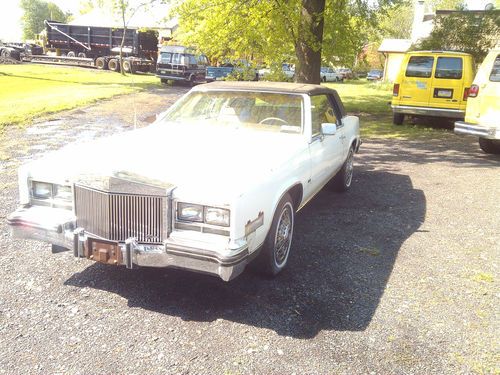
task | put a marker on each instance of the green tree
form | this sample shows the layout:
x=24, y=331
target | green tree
x=35, y=12
x=467, y=32
x=305, y=32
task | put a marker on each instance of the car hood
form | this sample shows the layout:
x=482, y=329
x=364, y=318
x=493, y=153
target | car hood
x=210, y=163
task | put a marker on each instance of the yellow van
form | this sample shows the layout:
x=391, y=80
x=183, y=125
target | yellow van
x=432, y=83
x=482, y=117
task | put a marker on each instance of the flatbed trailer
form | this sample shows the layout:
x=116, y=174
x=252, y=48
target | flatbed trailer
x=98, y=47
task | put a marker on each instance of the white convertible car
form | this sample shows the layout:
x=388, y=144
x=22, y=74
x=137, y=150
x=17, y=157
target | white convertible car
x=212, y=184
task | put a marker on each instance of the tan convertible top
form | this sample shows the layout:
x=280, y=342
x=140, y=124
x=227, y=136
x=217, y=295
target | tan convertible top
x=295, y=88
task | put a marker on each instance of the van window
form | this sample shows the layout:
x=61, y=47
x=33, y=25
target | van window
x=449, y=67
x=176, y=58
x=166, y=57
x=420, y=66
x=495, y=72
x=192, y=60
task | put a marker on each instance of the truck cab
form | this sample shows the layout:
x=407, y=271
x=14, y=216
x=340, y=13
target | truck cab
x=179, y=63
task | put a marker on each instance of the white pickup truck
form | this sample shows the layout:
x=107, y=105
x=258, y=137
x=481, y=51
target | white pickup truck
x=214, y=183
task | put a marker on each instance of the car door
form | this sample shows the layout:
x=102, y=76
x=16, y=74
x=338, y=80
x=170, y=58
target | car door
x=326, y=151
x=415, y=89
x=447, y=85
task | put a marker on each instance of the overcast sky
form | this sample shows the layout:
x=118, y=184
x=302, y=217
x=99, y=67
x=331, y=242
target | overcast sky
x=10, y=17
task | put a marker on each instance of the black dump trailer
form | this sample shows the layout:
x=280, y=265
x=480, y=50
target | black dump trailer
x=100, y=47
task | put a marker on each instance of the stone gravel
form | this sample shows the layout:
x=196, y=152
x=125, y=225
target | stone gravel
x=397, y=276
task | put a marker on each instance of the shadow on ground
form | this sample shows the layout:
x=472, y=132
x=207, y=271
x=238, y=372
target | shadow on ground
x=344, y=250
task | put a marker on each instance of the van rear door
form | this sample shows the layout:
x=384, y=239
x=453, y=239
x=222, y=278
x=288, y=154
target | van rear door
x=447, y=87
x=415, y=89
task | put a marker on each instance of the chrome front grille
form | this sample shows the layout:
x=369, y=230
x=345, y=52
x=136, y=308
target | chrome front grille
x=118, y=216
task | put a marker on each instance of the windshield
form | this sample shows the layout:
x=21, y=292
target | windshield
x=237, y=109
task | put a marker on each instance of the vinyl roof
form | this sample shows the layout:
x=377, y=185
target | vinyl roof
x=286, y=87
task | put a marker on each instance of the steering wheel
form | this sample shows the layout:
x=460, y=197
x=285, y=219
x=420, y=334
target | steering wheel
x=273, y=119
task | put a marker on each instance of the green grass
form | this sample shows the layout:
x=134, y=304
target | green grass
x=371, y=102
x=28, y=91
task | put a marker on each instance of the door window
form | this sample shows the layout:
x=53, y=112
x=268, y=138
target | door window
x=449, y=67
x=321, y=111
x=420, y=66
x=176, y=58
x=495, y=72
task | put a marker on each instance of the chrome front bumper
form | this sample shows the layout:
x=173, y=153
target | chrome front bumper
x=428, y=111
x=58, y=227
x=462, y=127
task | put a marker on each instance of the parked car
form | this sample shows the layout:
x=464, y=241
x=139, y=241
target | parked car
x=179, y=63
x=483, y=105
x=346, y=73
x=432, y=83
x=287, y=69
x=241, y=69
x=330, y=75
x=374, y=75
x=212, y=184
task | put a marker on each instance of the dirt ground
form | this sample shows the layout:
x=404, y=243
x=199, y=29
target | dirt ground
x=398, y=276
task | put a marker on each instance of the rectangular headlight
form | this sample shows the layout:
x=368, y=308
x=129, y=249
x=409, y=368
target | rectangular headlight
x=41, y=190
x=190, y=212
x=217, y=216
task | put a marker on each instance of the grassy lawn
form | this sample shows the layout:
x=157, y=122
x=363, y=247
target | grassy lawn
x=30, y=90
x=370, y=101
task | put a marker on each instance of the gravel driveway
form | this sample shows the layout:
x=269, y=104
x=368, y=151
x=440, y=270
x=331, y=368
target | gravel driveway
x=398, y=276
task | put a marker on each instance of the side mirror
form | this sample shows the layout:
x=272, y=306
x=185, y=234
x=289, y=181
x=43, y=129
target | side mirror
x=328, y=128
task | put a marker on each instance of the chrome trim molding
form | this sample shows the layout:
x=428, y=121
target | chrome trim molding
x=466, y=128
x=428, y=111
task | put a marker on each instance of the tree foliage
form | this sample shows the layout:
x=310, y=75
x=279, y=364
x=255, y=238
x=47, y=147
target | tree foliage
x=35, y=12
x=466, y=31
x=280, y=30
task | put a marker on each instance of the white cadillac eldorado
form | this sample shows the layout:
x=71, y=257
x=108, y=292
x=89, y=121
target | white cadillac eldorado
x=212, y=184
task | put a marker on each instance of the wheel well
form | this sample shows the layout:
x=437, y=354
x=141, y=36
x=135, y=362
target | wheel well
x=296, y=193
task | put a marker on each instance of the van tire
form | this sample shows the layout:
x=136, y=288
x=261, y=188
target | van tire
x=398, y=118
x=489, y=146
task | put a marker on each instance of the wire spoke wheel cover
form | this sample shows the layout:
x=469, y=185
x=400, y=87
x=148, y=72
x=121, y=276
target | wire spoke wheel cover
x=349, y=168
x=283, y=236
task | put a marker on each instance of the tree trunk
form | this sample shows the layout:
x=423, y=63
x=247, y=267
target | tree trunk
x=309, y=40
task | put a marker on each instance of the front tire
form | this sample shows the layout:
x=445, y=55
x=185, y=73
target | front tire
x=489, y=146
x=275, y=252
x=398, y=118
x=343, y=179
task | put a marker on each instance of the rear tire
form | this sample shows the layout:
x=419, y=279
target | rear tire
x=82, y=54
x=100, y=63
x=398, y=118
x=324, y=79
x=127, y=66
x=164, y=81
x=71, y=54
x=342, y=181
x=114, y=65
x=273, y=256
x=489, y=146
